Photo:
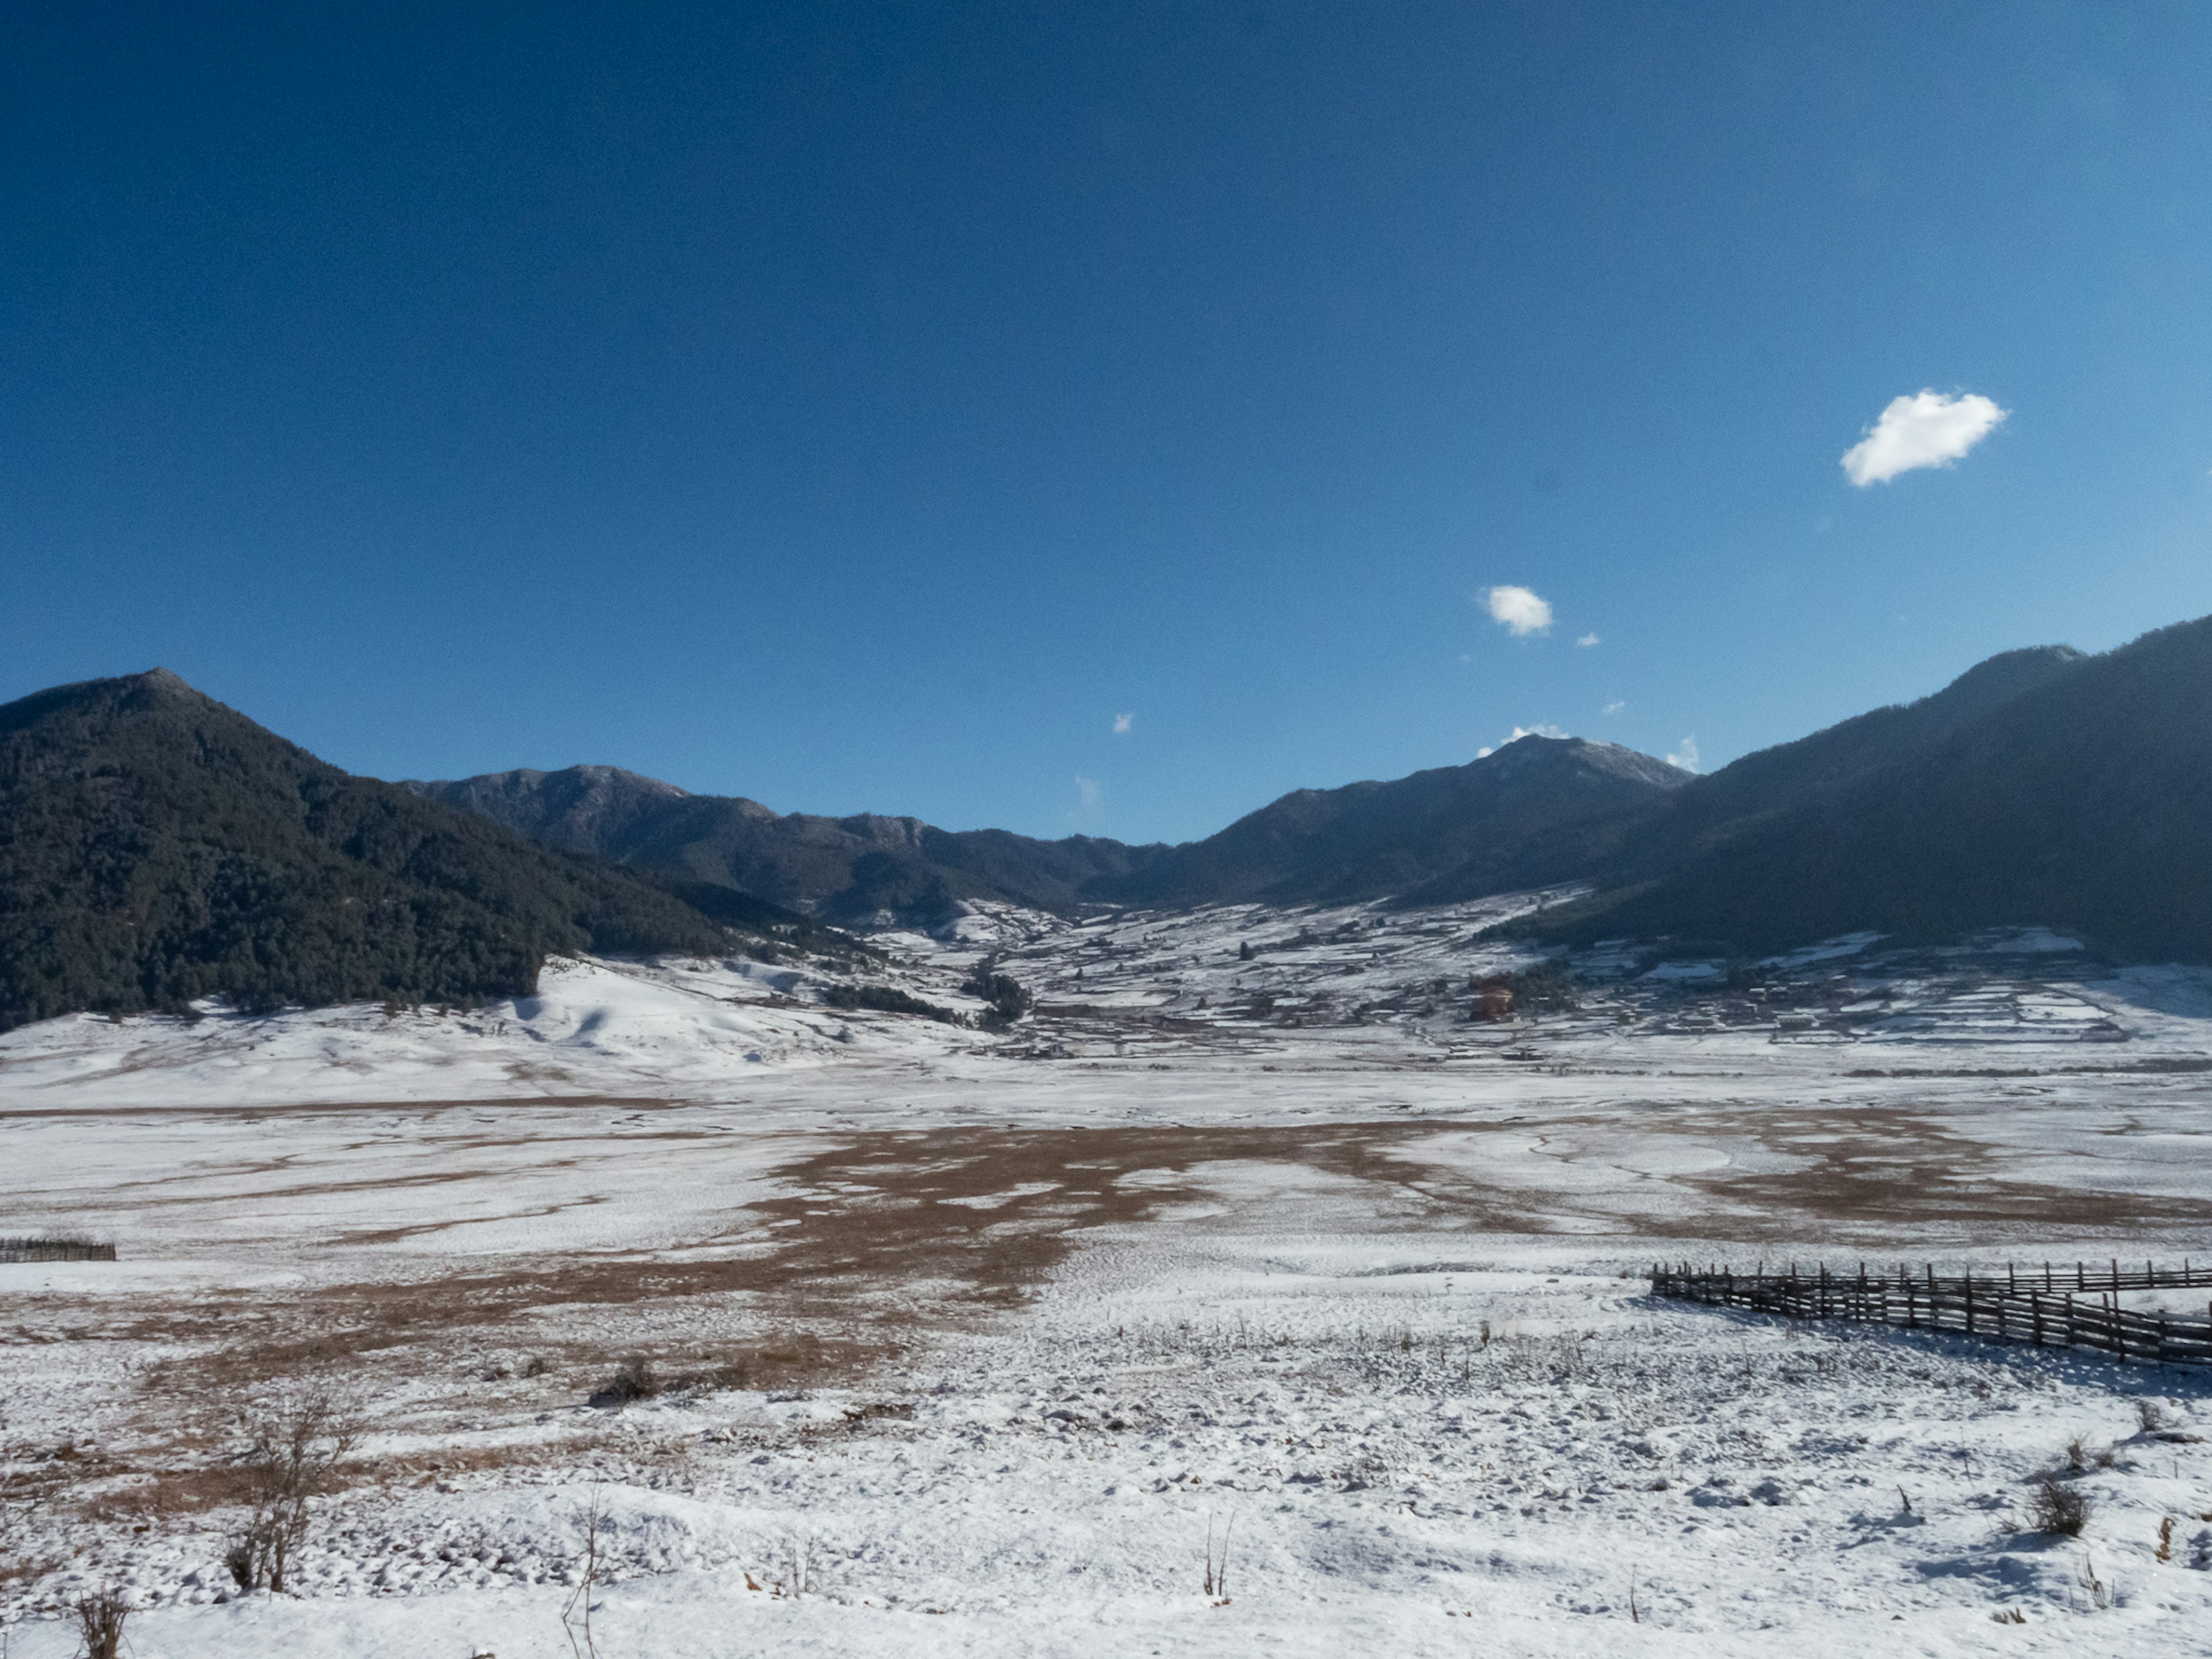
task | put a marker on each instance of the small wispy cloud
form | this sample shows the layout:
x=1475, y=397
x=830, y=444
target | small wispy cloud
x=1927, y=428
x=1089, y=791
x=1519, y=610
x=1588, y=638
x=1122, y=723
x=1686, y=757
x=1614, y=708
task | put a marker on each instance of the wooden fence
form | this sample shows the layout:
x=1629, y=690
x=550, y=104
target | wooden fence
x=54, y=1249
x=2075, y=1307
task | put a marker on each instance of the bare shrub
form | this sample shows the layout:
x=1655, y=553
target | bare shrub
x=2058, y=1508
x=576, y=1613
x=2151, y=1415
x=634, y=1379
x=2077, y=1455
x=99, y=1620
x=292, y=1456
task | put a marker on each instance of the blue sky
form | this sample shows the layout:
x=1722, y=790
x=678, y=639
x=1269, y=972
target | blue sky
x=863, y=407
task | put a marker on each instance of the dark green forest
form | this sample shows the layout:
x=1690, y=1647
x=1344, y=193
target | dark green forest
x=156, y=847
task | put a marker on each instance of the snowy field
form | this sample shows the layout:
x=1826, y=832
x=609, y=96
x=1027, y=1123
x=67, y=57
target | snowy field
x=967, y=1343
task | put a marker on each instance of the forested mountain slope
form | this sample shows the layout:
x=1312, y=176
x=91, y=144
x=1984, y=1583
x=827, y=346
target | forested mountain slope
x=156, y=847
x=2082, y=799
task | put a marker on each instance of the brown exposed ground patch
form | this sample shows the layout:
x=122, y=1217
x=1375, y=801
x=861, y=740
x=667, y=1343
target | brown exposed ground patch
x=1889, y=1172
x=877, y=1236
x=997, y=1209
x=1870, y=1174
x=873, y=1238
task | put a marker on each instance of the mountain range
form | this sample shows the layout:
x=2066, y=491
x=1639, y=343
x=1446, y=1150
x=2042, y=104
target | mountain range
x=2042, y=786
x=156, y=847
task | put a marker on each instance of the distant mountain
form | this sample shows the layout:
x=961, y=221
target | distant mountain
x=867, y=870
x=156, y=847
x=2041, y=787
x=1537, y=810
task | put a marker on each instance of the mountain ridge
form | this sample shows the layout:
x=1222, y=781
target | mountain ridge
x=1366, y=840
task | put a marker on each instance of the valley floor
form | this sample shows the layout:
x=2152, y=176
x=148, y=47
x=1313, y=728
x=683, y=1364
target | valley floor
x=969, y=1346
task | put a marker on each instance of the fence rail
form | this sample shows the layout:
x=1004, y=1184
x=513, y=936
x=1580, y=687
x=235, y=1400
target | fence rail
x=54, y=1249
x=2044, y=1305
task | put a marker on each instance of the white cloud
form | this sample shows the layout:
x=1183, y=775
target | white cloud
x=1587, y=639
x=1614, y=708
x=1089, y=791
x=1520, y=611
x=1686, y=757
x=1122, y=723
x=1925, y=429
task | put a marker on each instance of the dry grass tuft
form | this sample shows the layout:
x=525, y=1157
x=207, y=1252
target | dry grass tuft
x=99, y=1619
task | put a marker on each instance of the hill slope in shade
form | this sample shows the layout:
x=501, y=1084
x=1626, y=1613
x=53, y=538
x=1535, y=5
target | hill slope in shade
x=2083, y=800
x=1537, y=810
x=868, y=869
x=156, y=847
x=1752, y=790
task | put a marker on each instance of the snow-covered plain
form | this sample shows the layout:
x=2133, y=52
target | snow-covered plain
x=971, y=1340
